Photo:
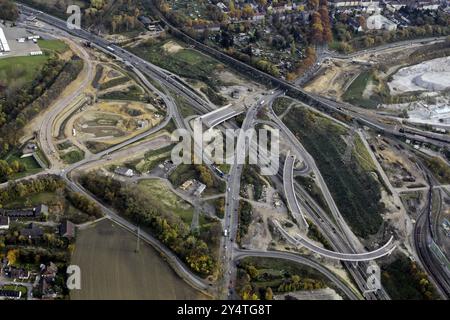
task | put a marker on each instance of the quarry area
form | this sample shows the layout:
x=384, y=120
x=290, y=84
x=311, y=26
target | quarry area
x=433, y=75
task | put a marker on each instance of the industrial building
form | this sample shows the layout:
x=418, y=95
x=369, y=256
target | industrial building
x=4, y=47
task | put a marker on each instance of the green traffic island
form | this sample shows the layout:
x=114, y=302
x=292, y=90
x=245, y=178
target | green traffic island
x=352, y=182
x=72, y=155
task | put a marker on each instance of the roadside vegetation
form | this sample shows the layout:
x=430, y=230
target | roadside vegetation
x=132, y=93
x=54, y=46
x=315, y=234
x=107, y=16
x=219, y=205
x=245, y=218
x=404, y=280
x=201, y=173
x=151, y=159
x=314, y=191
x=164, y=200
x=8, y=10
x=354, y=93
x=354, y=189
x=262, y=278
x=280, y=105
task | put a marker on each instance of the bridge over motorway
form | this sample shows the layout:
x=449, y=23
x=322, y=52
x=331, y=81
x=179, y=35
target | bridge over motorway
x=220, y=115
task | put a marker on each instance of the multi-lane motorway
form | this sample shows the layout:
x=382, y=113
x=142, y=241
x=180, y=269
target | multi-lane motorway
x=343, y=241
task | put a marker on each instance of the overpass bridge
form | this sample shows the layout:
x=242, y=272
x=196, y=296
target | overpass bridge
x=220, y=115
x=299, y=240
x=288, y=184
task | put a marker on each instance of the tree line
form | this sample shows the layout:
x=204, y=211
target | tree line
x=8, y=10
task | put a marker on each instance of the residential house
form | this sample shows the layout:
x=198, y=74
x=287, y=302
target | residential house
x=67, y=230
x=33, y=232
x=16, y=273
x=10, y=294
x=4, y=223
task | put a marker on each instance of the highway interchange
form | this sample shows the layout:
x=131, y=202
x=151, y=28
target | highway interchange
x=337, y=232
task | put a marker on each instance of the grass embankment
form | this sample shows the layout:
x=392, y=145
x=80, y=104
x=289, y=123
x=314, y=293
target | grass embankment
x=355, y=91
x=439, y=168
x=356, y=192
x=132, y=93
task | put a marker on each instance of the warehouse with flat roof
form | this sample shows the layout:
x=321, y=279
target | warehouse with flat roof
x=4, y=47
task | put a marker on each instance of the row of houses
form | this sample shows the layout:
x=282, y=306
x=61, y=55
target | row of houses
x=35, y=212
x=391, y=5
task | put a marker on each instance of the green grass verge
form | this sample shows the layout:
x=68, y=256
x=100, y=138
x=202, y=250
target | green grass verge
x=163, y=199
x=57, y=46
x=73, y=156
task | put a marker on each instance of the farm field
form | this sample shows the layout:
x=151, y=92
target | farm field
x=111, y=269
